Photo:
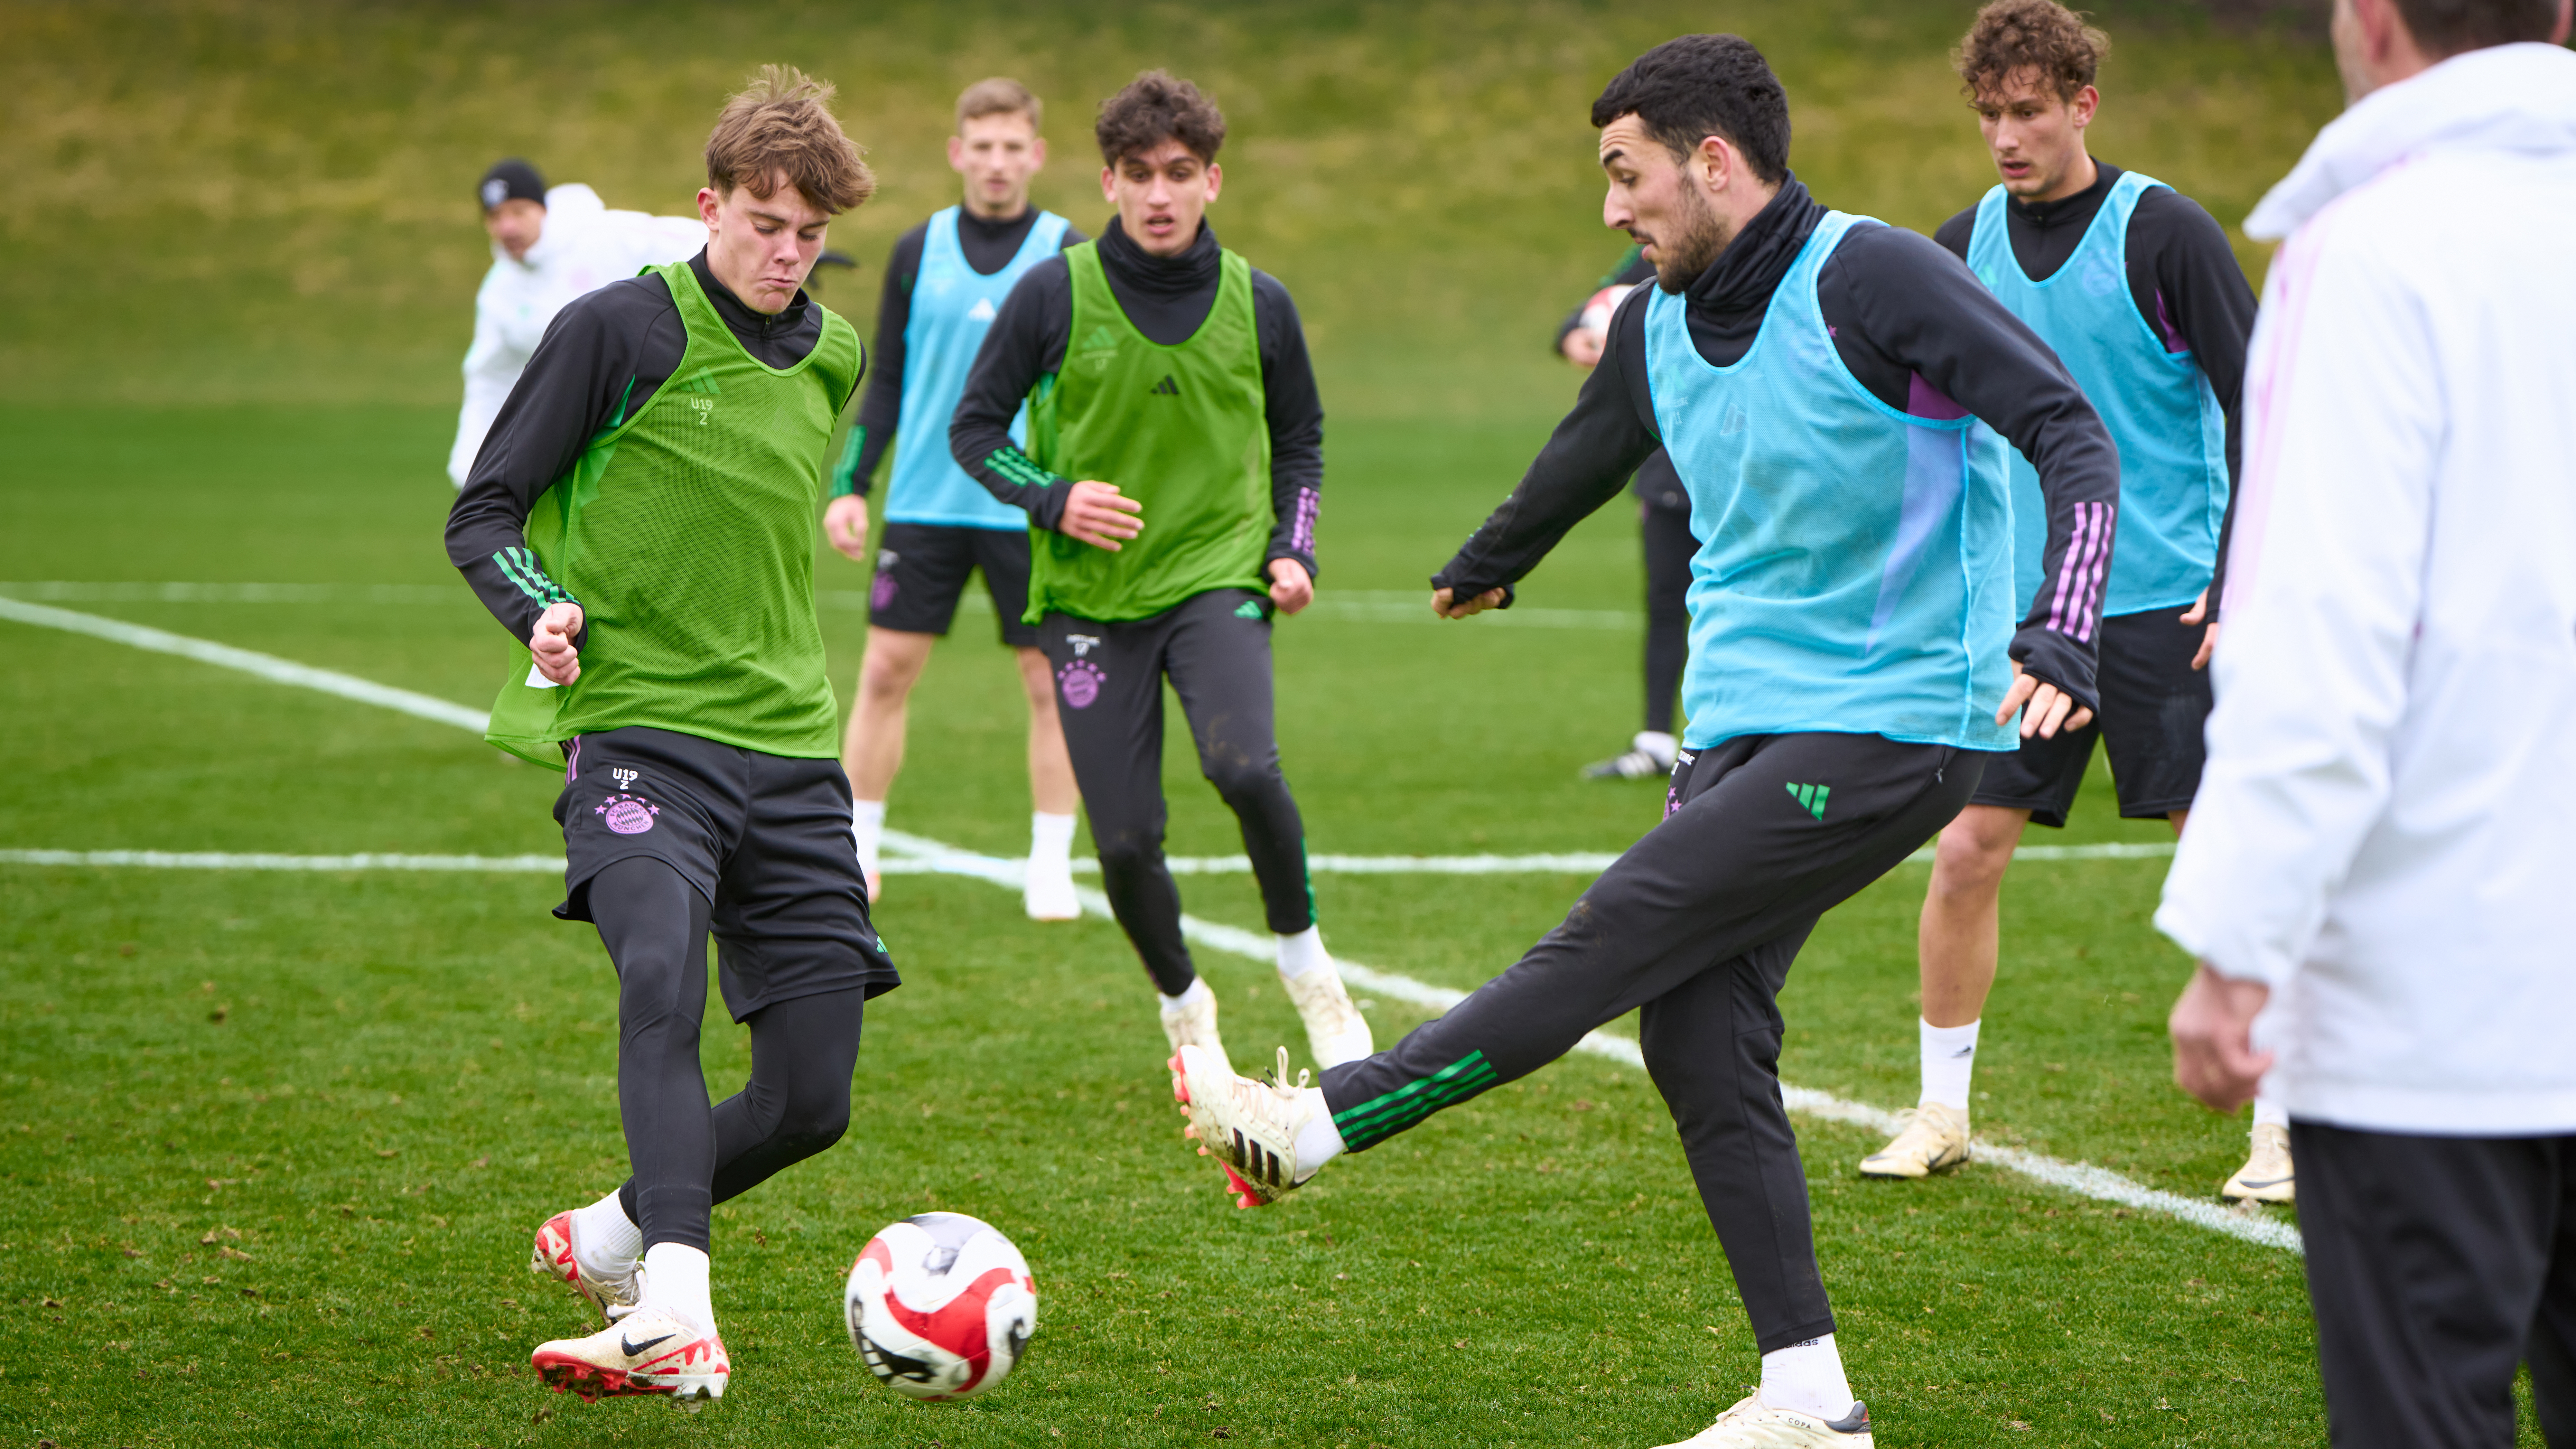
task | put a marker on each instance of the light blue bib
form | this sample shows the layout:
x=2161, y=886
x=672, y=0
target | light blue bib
x=1854, y=565
x=953, y=305
x=2171, y=433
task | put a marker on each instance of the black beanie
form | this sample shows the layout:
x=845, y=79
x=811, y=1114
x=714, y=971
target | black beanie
x=511, y=180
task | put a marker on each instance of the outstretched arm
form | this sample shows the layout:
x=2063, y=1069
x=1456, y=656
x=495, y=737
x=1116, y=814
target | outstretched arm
x=1587, y=462
x=1024, y=346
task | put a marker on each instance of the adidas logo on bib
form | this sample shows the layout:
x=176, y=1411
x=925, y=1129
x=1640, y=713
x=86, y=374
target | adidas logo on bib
x=982, y=311
x=1167, y=387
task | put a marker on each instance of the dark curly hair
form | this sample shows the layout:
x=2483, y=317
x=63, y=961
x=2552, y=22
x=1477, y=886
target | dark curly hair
x=2040, y=36
x=1697, y=86
x=1158, y=106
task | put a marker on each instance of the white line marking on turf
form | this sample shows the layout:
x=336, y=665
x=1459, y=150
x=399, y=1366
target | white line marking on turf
x=266, y=666
x=61, y=591
x=2080, y=1178
x=265, y=860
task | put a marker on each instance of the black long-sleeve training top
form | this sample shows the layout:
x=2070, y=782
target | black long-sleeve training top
x=1658, y=486
x=2183, y=279
x=989, y=247
x=602, y=358
x=1166, y=298
x=1906, y=317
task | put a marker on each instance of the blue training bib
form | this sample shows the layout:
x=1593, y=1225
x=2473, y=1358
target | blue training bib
x=1854, y=565
x=2151, y=393
x=953, y=306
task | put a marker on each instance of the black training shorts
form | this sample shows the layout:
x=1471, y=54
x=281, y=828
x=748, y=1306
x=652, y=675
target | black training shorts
x=922, y=570
x=2153, y=706
x=765, y=838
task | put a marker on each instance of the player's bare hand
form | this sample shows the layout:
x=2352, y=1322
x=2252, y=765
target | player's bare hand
x=845, y=523
x=1582, y=347
x=1449, y=608
x=2213, y=1036
x=550, y=643
x=1099, y=515
x=2044, y=708
x=2198, y=612
x=1291, y=587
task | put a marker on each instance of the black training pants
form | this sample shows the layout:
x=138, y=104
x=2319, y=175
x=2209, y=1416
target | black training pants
x=2435, y=1265
x=1696, y=924
x=687, y=1156
x=1669, y=547
x=1215, y=649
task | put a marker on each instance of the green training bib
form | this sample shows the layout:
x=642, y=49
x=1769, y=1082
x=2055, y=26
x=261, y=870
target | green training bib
x=687, y=533
x=1180, y=429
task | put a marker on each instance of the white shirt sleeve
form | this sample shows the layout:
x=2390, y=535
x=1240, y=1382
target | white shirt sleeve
x=491, y=367
x=2344, y=432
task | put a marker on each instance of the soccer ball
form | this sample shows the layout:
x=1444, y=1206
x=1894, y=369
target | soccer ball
x=1595, y=317
x=941, y=1306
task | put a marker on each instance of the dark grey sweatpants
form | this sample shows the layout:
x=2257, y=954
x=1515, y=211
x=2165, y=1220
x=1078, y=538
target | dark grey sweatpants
x=1215, y=649
x=1696, y=924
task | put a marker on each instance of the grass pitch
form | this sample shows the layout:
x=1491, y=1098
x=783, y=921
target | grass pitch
x=271, y=1144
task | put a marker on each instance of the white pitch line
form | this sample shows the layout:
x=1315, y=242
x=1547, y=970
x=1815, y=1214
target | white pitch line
x=266, y=666
x=2080, y=1178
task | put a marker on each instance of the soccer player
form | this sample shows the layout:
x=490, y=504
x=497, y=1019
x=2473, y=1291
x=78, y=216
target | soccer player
x=549, y=245
x=1663, y=515
x=1171, y=481
x=1830, y=390
x=2133, y=285
x=2380, y=856
x=943, y=286
x=644, y=519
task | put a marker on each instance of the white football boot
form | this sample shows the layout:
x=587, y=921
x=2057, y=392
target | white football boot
x=1937, y=1139
x=1749, y=1425
x=555, y=1255
x=1335, y=1030
x=650, y=1352
x=1193, y=1023
x=1046, y=892
x=1249, y=1127
x=2267, y=1175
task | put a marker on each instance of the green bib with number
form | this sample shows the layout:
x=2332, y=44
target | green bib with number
x=1182, y=430
x=687, y=533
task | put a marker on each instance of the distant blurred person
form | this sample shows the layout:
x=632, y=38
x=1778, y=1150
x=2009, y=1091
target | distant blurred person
x=548, y=247
x=1663, y=512
x=2379, y=855
x=943, y=287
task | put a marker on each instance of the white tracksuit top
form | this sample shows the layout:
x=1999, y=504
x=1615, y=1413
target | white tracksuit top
x=584, y=246
x=2386, y=832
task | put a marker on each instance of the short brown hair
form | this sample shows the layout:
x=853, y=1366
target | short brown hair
x=781, y=125
x=997, y=96
x=2445, y=28
x=1158, y=106
x=2040, y=36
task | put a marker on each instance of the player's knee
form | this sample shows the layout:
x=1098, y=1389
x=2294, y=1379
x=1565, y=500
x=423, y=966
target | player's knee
x=811, y=1125
x=1127, y=849
x=1239, y=778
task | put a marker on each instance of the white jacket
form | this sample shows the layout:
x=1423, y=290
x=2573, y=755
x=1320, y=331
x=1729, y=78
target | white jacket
x=2386, y=832
x=584, y=245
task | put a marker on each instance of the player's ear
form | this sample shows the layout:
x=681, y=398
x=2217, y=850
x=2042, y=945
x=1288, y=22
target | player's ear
x=1216, y=180
x=1037, y=153
x=956, y=153
x=2086, y=102
x=708, y=205
x=1109, y=184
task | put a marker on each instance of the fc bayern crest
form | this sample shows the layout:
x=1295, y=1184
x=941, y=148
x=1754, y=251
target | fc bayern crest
x=627, y=814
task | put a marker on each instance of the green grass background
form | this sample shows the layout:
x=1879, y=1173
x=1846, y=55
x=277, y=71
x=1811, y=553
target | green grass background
x=270, y=1145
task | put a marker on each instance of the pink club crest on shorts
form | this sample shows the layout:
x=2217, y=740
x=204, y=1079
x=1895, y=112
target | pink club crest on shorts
x=1080, y=683
x=627, y=814
x=881, y=593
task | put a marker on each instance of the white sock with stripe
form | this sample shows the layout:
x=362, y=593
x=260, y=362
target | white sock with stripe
x=1949, y=1057
x=1807, y=1378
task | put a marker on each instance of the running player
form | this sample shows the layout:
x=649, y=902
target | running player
x=644, y=519
x=549, y=245
x=1663, y=516
x=943, y=285
x=2133, y=285
x=1176, y=450
x=1819, y=381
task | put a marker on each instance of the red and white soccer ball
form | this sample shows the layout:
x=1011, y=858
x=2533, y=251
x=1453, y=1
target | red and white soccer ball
x=941, y=1306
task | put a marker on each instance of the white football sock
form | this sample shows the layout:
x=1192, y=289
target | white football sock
x=867, y=824
x=1197, y=992
x=675, y=1282
x=2268, y=1113
x=608, y=1240
x=1659, y=744
x=1807, y=1378
x=1319, y=1141
x=1949, y=1055
x=1301, y=953
x=1050, y=837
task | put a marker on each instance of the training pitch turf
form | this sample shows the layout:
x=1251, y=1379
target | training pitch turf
x=275, y=1141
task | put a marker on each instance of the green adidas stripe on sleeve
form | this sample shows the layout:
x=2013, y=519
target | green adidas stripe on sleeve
x=1379, y=1118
